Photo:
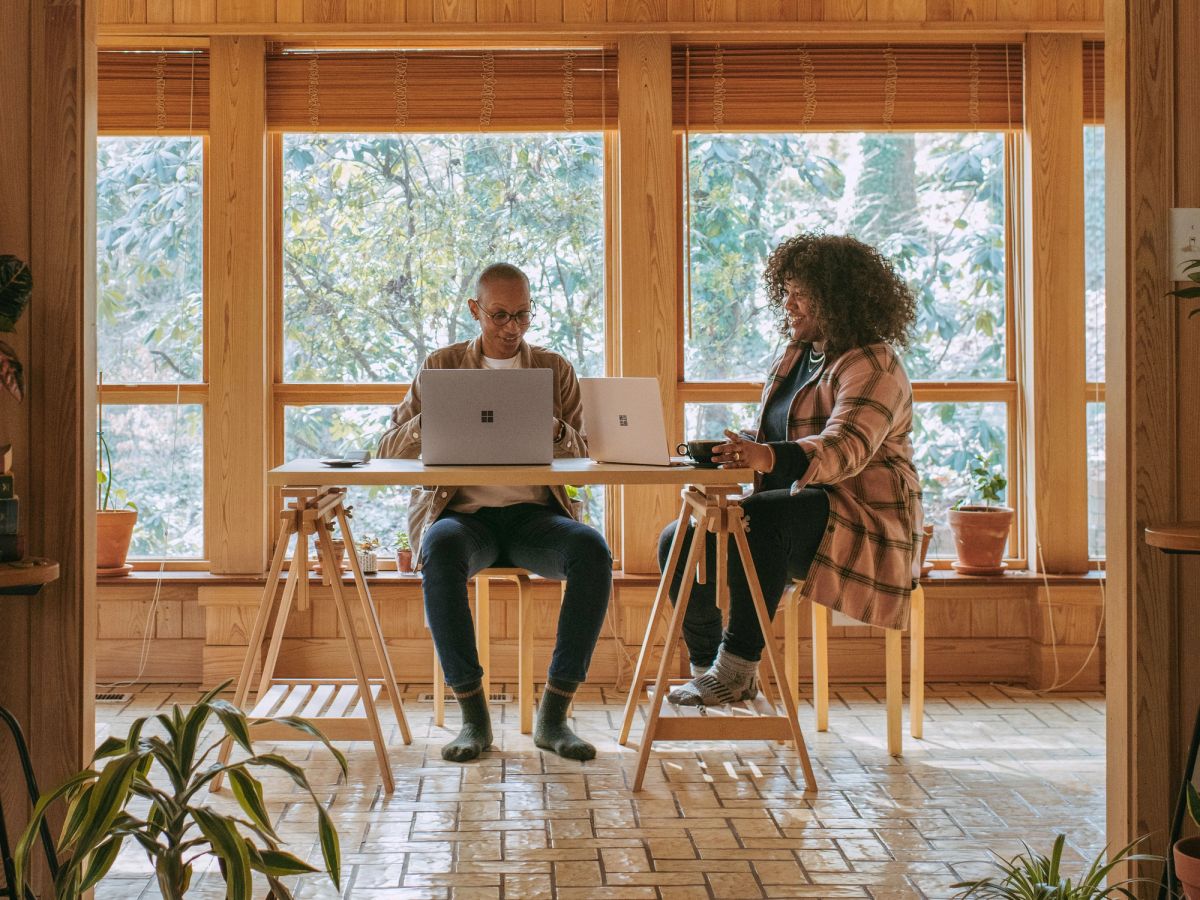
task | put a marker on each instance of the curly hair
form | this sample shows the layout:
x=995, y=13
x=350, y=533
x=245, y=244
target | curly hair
x=858, y=297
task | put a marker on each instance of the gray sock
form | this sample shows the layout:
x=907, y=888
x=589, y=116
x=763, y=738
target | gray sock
x=696, y=670
x=730, y=680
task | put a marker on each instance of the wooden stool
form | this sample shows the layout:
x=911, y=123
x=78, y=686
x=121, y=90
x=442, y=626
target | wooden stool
x=482, y=611
x=714, y=508
x=893, y=664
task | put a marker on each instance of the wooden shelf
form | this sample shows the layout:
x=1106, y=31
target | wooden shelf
x=27, y=576
x=1175, y=537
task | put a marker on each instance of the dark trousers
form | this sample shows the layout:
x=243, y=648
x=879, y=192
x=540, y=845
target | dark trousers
x=542, y=539
x=785, y=530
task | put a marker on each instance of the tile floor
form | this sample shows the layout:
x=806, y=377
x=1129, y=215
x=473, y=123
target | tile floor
x=720, y=820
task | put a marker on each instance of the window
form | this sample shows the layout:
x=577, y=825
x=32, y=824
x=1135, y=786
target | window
x=383, y=237
x=149, y=264
x=931, y=201
x=1093, y=223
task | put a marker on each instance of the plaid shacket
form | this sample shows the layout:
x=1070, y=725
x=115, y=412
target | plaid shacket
x=853, y=419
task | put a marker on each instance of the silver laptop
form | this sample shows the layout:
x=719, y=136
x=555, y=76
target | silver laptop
x=487, y=416
x=623, y=419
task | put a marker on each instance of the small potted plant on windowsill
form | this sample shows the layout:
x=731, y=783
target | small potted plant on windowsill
x=368, y=559
x=404, y=561
x=116, y=516
x=981, y=530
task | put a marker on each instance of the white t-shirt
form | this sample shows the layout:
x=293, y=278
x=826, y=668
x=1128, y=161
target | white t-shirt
x=471, y=499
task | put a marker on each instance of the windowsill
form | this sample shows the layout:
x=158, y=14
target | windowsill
x=936, y=578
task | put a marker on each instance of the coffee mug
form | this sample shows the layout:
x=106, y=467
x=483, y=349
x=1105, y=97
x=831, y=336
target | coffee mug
x=701, y=452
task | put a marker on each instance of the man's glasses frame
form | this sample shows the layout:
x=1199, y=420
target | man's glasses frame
x=500, y=319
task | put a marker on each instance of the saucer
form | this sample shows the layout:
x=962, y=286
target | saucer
x=964, y=569
x=114, y=572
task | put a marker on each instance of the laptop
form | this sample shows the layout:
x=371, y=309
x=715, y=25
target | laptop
x=623, y=419
x=487, y=417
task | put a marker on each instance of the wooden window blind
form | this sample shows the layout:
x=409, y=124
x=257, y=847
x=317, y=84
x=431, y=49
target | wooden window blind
x=152, y=93
x=1093, y=82
x=847, y=87
x=442, y=90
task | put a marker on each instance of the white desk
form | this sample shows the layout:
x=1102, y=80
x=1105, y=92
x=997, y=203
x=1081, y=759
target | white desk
x=311, y=473
x=710, y=499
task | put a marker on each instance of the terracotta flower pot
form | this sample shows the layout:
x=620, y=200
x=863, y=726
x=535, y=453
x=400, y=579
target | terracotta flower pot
x=980, y=536
x=404, y=560
x=1187, y=866
x=339, y=554
x=114, y=531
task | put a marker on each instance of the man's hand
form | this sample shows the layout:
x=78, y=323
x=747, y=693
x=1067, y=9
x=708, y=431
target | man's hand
x=740, y=453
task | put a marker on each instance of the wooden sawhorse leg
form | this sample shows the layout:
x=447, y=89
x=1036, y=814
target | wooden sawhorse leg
x=342, y=710
x=712, y=511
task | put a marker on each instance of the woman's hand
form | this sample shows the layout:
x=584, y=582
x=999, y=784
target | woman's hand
x=740, y=453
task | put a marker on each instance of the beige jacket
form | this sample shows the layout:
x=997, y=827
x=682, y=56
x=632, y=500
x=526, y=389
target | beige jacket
x=402, y=440
x=854, y=422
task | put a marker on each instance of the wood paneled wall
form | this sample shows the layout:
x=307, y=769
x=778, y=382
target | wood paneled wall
x=47, y=176
x=583, y=13
x=1153, y=359
x=1054, y=391
x=236, y=321
x=1007, y=630
x=648, y=215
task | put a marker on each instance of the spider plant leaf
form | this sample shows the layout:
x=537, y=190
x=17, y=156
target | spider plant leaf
x=108, y=798
x=25, y=844
x=1193, y=802
x=101, y=861
x=249, y=795
x=230, y=847
x=330, y=847
x=281, y=864
x=235, y=724
x=308, y=728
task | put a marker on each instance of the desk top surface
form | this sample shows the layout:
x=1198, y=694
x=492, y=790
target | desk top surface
x=311, y=473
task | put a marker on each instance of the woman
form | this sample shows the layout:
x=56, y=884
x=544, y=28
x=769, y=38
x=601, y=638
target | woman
x=836, y=499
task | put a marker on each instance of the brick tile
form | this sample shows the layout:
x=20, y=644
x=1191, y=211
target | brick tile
x=715, y=820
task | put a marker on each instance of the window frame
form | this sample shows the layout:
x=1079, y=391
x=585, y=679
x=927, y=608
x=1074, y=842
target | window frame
x=1008, y=391
x=285, y=394
x=181, y=393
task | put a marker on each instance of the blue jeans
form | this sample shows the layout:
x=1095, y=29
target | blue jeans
x=542, y=539
x=784, y=532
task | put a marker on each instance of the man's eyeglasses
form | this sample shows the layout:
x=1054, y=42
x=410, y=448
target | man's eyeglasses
x=502, y=318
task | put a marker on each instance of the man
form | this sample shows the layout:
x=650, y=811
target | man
x=455, y=532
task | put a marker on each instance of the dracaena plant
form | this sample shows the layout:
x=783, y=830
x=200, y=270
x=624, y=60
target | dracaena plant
x=1034, y=876
x=179, y=828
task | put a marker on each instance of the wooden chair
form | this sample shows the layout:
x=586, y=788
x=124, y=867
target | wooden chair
x=482, y=613
x=893, y=664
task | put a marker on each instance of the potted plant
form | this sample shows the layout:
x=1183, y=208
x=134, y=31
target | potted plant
x=1192, y=269
x=1187, y=851
x=404, y=561
x=115, y=513
x=368, y=559
x=339, y=555
x=981, y=530
x=178, y=828
x=1030, y=875
x=16, y=286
